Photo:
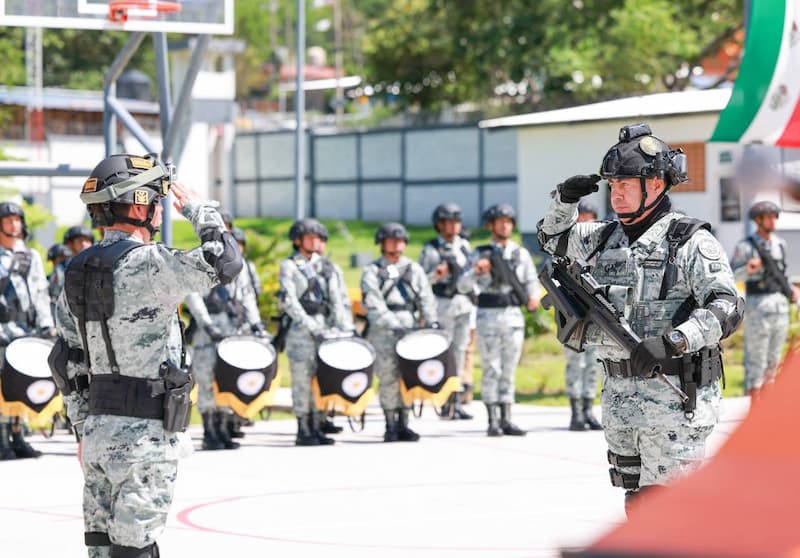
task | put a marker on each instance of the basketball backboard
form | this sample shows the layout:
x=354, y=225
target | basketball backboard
x=213, y=17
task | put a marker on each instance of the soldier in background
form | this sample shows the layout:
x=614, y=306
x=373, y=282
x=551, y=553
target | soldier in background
x=505, y=277
x=24, y=310
x=311, y=298
x=78, y=239
x=671, y=279
x=760, y=262
x=131, y=417
x=398, y=297
x=57, y=255
x=443, y=259
x=582, y=368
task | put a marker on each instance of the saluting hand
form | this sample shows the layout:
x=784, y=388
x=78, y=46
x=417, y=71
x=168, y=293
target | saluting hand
x=182, y=195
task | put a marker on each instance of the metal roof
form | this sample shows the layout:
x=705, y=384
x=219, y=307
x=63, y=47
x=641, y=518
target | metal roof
x=69, y=99
x=658, y=104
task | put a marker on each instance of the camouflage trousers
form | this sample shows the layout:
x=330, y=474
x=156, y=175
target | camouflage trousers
x=302, y=352
x=764, y=336
x=644, y=417
x=457, y=329
x=500, y=346
x=386, y=368
x=127, y=500
x=582, y=372
x=203, y=359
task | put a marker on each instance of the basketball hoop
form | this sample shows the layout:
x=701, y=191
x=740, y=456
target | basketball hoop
x=140, y=9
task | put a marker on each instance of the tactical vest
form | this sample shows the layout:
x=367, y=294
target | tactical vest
x=497, y=298
x=642, y=279
x=316, y=298
x=11, y=304
x=447, y=287
x=403, y=285
x=767, y=284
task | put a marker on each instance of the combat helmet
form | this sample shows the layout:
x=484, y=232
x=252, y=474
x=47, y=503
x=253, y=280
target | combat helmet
x=391, y=230
x=8, y=209
x=642, y=155
x=78, y=231
x=302, y=227
x=444, y=212
x=499, y=210
x=763, y=208
x=124, y=179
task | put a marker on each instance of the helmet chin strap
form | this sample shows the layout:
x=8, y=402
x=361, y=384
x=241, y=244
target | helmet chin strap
x=642, y=207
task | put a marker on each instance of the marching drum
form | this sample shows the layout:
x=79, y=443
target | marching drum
x=27, y=389
x=344, y=375
x=244, y=374
x=427, y=367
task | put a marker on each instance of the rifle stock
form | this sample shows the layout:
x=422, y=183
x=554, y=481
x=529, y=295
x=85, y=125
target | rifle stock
x=506, y=275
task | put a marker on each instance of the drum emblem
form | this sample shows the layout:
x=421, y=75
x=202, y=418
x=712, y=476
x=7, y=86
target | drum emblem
x=355, y=384
x=250, y=383
x=41, y=391
x=430, y=372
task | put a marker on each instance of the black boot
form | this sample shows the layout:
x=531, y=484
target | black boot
x=235, y=426
x=591, y=420
x=221, y=420
x=305, y=435
x=22, y=449
x=6, y=451
x=211, y=441
x=448, y=409
x=458, y=409
x=509, y=428
x=404, y=433
x=493, y=410
x=392, y=425
x=328, y=427
x=317, y=418
x=578, y=420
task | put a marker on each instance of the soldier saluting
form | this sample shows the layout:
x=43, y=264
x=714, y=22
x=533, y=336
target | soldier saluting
x=760, y=262
x=668, y=282
x=118, y=321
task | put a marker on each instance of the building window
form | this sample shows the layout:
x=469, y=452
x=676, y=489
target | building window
x=696, y=155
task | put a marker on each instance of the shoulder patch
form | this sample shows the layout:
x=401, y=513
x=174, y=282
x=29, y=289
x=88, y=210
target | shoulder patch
x=709, y=249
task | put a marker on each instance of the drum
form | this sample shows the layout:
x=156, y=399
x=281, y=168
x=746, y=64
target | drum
x=27, y=389
x=427, y=367
x=244, y=374
x=344, y=375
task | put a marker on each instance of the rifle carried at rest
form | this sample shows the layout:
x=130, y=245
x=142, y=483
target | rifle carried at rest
x=772, y=274
x=503, y=271
x=579, y=300
x=279, y=341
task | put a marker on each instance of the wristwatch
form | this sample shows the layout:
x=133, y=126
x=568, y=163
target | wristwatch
x=678, y=341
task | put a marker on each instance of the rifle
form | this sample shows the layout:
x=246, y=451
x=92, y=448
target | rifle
x=279, y=341
x=771, y=271
x=579, y=300
x=502, y=271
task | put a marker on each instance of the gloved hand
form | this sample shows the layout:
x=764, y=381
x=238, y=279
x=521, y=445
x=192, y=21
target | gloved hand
x=47, y=332
x=575, y=187
x=214, y=333
x=259, y=329
x=651, y=352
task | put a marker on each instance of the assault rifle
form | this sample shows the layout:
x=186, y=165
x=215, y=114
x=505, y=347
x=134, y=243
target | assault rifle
x=506, y=274
x=579, y=300
x=771, y=272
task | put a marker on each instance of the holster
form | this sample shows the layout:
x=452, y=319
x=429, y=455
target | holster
x=175, y=385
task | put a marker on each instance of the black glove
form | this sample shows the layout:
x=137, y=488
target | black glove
x=652, y=352
x=259, y=329
x=575, y=187
x=214, y=333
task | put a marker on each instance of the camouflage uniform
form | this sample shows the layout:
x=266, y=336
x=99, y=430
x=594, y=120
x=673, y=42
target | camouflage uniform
x=347, y=318
x=501, y=331
x=381, y=294
x=130, y=464
x=766, y=324
x=237, y=316
x=453, y=310
x=307, y=309
x=581, y=374
x=644, y=417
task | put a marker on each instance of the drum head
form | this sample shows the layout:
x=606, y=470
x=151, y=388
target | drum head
x=246, y=352
x=347, y=354
x=422, y=344
x=28, y=356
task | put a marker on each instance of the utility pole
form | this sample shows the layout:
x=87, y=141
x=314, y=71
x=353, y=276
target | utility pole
x=337, y=42
x=299, y=111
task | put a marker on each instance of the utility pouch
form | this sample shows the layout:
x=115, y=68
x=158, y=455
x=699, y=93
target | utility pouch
x=57, y=360
x=175, y=384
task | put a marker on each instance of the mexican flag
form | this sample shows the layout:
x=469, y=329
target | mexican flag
x=765, y=103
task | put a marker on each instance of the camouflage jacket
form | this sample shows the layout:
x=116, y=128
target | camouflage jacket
x=29, y=290
x=434, y=253
x=384, y=284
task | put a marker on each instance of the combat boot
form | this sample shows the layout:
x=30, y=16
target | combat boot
x=509, y=428
x=458, y=409
x=404, y=433
x=22, y=449
x=317, y=419
x=210, y=440
x=578, y=420
x=391, y=425
x=591, y=420
x=305, y=434
x=448, y=409
x=6, y=451
x=235, y=426
x=328, y=427
x=492, y=409
x=221, y=428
